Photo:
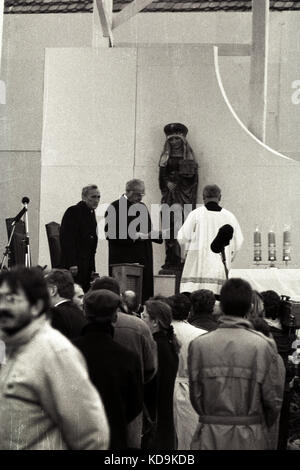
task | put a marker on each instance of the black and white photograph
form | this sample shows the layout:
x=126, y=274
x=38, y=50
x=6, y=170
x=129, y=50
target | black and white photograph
x=150, y=228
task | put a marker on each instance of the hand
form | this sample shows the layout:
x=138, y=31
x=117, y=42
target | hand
x=73, y=270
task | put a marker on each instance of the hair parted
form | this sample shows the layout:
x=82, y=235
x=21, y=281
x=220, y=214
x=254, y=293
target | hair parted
x=85, y=191
x=236, y=297
x=31, y=281
x=63, y=280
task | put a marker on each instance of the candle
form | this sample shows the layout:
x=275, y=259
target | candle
x=271, y=238
x=271, y=246
x=257, y=245
x=286, y=254
x=287, y=236
x=257, y=236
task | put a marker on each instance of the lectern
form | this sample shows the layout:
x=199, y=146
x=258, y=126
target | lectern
x=129, y=276
x=52, y=230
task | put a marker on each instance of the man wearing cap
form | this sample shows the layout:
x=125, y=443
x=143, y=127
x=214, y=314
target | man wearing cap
x=204, y=269
x=114, y=370
x=178, y=181
x=78, y=237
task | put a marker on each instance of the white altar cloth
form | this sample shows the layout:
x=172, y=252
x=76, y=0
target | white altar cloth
x=282, y=281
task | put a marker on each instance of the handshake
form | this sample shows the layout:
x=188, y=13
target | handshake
x=153, y=235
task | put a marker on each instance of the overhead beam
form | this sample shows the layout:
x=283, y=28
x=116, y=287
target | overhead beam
x=225, y=49
x=129, y=11
x=104, y=9
x=234, y=49
x=259, y=68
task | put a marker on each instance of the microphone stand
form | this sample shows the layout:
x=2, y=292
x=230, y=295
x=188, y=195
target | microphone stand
x=26, y=241
x=23, y=212
x=223, y=257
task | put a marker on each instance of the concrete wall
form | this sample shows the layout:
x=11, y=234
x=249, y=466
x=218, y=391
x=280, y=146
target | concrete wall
x=120, y=99
x=21, y=118
x=26, y=37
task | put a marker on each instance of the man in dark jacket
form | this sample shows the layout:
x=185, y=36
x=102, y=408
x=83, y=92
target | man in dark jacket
x=78, y=237
x=114, y=370
x=201, y=316
x=65, y=316
x=128, y=231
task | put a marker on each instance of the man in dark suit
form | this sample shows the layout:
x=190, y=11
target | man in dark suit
x=128, y=231
x=78, y=237
x=65, y=316
x=113, y=369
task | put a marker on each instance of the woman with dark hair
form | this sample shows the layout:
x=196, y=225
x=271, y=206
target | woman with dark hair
x=159, y=392
x=284, y=340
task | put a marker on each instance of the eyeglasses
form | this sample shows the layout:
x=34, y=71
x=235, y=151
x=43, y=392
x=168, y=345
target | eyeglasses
x=10, y=298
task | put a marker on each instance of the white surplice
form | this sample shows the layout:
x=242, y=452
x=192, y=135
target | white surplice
x=203, y=269
x=185, y=417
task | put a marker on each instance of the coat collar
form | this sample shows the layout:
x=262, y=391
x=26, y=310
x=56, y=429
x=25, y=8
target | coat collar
x=227, y=321
x=25, y=335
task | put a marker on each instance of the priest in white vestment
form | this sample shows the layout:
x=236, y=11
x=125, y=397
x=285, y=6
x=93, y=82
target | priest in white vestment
x=204, y=269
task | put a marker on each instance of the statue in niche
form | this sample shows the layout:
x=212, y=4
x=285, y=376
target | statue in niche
x=178, y=181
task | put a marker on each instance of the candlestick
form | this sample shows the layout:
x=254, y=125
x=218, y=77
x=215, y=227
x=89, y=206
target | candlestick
x=271, y=246
x=286, y=253
x=257, y=245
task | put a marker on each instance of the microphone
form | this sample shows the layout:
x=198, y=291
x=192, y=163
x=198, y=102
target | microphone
x=25, y=200
x=222, y=239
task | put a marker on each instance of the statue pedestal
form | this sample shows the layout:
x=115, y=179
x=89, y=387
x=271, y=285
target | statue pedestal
x=164, y=284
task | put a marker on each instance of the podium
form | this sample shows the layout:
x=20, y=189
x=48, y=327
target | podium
x=129, y=276
x=52, y=230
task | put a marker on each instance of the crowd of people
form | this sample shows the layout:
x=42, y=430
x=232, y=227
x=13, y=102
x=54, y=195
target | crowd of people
x=87, y=366
x=99, y=371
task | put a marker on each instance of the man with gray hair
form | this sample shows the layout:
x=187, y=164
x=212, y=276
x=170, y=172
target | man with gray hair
x=128, y=230
x=203, y=267
x=78, y=237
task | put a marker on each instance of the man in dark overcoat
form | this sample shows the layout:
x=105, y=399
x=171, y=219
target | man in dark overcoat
x=78, y=237
x=128, y=231
x=113, y=369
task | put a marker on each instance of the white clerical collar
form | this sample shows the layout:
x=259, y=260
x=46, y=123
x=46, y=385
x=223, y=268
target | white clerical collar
x=61, y=302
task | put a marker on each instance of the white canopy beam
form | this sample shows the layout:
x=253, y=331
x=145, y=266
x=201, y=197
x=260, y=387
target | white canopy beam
x=1, y=26
x=129, y=11
x=103, y=11
x=259, y=67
